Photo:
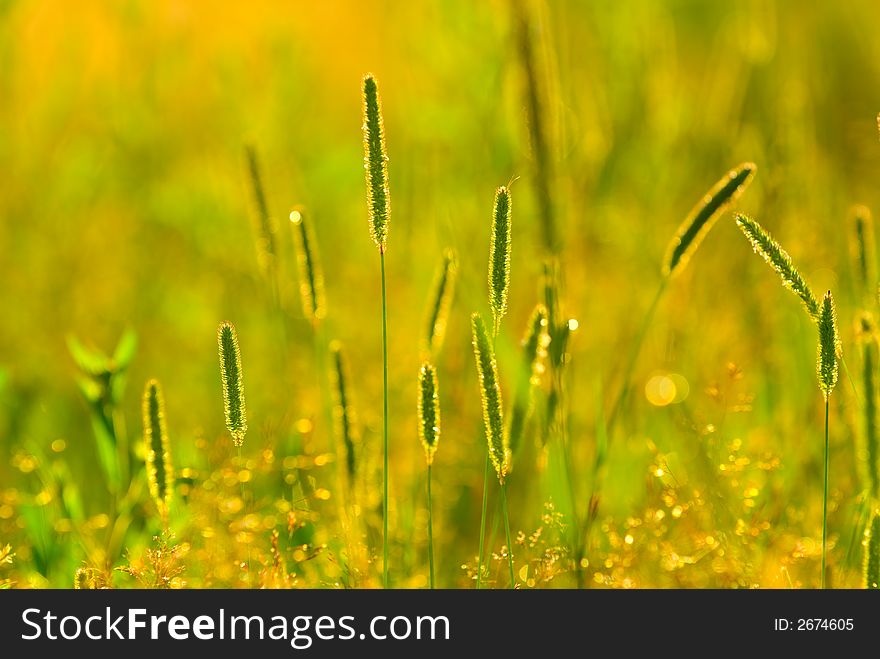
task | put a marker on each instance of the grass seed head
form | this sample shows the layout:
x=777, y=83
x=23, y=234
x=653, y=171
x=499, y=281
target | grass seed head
x=157, y=448
x=870, y=361
x=376, y=163
x=490, y=392
x=829, y=346
x=343, y=409
x=429, y=410
x=266, y=248
x=534, y=350
x=778, y=259
x=441, y=302
x=499, y=255
x=311, y=277
x=704, y=215
x=82, y=579
x=233, y=383
x=864, y=248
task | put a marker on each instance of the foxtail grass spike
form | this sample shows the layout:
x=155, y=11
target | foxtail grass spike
x=531, y=367
x=870, y=362
x=376, y=164
x=537, y=128
x=233, y=383
x=490, y=392
x=343, y=410
x=266, y=249
x=160, y=474
x=826, y=369
x=703, y=216
x=311, y=277
x=499, y=255
x=429, y=410
x=864, y=248
x=82, y=579
x=829, y=346
x=441, y=301
x=778, y=259
x=872, y=552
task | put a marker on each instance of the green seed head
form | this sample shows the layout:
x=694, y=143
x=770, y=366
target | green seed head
x=864, y=248
x=343, y=410
x=499, y=255
x=429, y=410
x=441, y=301
x=82, y=579
x=376, y=164
x=703, y=216
x=311, y=277
x=266, y=250
x=829, y=346
x=778, y=259
x=534, y=350
x=160, y=474
x=490, y=392
x=870, y=361
x=872, y=552
x=233, y=383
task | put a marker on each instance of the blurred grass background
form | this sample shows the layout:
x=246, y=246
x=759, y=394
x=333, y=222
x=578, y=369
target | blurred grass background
x=125, y=204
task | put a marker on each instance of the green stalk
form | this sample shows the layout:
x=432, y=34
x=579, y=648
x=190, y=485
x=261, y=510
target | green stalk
x=507, y=532
x=634, y=356
x=483, y=521
x=244, y=507
x=385, y=426
x=430, y=531
x=596, y=481
x=825, y=499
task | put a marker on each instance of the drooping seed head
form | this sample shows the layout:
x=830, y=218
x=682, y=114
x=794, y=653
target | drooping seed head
x=829, y=346
x=429, y=410
x=376, y=164
x=534, y=350
x=157, y=448
x=778, y=259
x=343, y=410
x=490, y=393
x=702, y=217
x=441, y=301
x=499, y=255
x=233, y=383
x=311, y=276
x=871, y=544
x=266, y=250
x=864, y=248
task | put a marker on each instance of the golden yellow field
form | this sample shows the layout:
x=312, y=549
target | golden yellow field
x=131, y=230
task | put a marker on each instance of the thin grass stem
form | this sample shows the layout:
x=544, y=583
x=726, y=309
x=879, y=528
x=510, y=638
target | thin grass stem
x=507, y=533
x=825, y=501
x=430, y=531
x=385, y=425
x=483, y=522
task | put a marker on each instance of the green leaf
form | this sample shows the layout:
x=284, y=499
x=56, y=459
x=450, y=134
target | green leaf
x=90, y=361
x=125, y=350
